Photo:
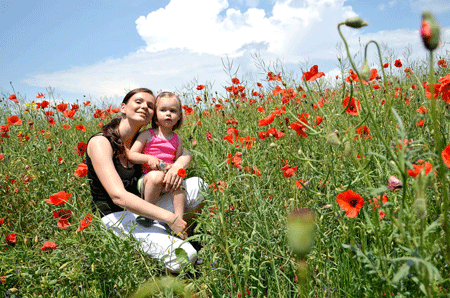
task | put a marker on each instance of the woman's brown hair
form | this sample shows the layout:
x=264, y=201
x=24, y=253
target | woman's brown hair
x=111, y=130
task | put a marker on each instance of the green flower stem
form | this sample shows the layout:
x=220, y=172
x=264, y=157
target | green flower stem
x=439, y=148
x=377, y=131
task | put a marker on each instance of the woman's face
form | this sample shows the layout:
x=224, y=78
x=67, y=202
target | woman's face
x=140, y=107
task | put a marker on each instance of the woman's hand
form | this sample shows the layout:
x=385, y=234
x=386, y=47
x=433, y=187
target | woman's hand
x=171, y=180
x=178, y=226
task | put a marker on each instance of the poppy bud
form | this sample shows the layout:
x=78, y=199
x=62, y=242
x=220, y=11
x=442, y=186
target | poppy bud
x=300, y=231
x=420, y=206
x=348, y=150
x=365, y=71
x=355, y=22
x=273, y=145
x=429, y=31
x=299, y=152
x=36, y=239
x=394, y=183
x=333, y=139
x=194, y=143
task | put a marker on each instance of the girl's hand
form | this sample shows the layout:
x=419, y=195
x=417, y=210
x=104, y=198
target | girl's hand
x=153, y=162
x=171, y=180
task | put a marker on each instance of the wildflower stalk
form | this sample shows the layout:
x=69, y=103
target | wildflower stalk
x=378, y=133
x=441, y=169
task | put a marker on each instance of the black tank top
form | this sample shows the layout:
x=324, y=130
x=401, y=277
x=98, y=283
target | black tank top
x=100, y=198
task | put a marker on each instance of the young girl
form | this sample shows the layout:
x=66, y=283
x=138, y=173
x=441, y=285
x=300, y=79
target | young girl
x=157, y=149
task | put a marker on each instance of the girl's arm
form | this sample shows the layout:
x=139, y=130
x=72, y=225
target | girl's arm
x=179, y=149
x=100, y=151
x=135, y=155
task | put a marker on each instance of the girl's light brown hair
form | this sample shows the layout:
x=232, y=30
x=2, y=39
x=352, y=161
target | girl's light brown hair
x=168, y=94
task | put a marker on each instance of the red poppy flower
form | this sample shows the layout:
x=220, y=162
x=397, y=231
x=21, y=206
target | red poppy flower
x=352, y=105
x=200, y=87
x=363, y=131
x=208, y=136
x=446, y=155
x=81, y=148
x=51, y=121
x=48, y=245
x=69, y=113
x=2, y=279
x=299, y=183
x=13, y=98
x=386, y=65
x=236, y=160
x=65, y=126
x=247, y=142
x=59, y=198
x=14, y=120
x=398, y=63
x=235, y=81
x=63, y=223
x=80, y=127
x=313, y=74
x=85, y=222
x=11, y=239
x=424, y=165
x=419, y=123
x=351, y=202
x=1, y=222
x=81, y=171
x=181, y=173
x=273, y=77
x=61, y=107
x=87, y=103
x=394, y=183
x=376, y=205
x=44, y=104
x=62, y=214
x=219, y=185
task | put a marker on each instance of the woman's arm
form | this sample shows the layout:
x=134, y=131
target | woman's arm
x=100, y=151
x=171, y=180
x=135, y=155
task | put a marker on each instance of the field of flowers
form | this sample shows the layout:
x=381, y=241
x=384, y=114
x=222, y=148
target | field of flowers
x=315, y=190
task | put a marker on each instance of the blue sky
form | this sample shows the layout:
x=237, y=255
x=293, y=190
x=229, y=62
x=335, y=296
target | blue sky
x=99, y=49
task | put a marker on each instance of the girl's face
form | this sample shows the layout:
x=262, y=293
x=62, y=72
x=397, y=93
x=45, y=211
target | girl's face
x=168, y=112
x=140, y=107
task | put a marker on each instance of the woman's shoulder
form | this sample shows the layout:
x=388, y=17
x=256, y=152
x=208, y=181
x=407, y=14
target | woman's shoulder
x=98, y=142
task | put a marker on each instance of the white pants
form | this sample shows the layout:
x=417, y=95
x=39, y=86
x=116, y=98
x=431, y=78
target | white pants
x=155, y=240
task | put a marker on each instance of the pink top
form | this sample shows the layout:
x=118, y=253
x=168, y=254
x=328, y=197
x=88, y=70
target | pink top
x=160, y=148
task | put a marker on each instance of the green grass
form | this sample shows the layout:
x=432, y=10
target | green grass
x=243, y=229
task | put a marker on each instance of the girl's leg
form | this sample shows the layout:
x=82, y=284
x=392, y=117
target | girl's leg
x=153, y=183
x=179, y=202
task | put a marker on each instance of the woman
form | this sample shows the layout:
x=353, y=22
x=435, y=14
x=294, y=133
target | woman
x=113, y=181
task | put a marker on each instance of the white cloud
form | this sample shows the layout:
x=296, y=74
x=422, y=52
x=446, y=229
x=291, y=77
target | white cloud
x=382, y=6
x=435, y=6
x=189, y=39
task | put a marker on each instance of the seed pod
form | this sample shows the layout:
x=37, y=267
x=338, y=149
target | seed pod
x=333, y=139
x=355, y=22
x=365, y=71
x=300, y=231
x=348, y=150
x=429, y=31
